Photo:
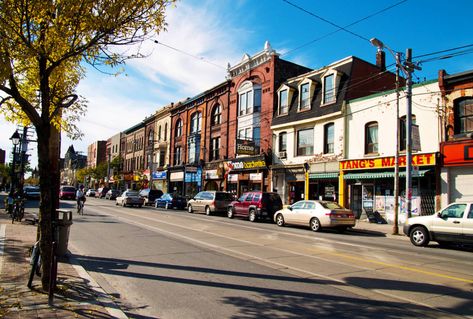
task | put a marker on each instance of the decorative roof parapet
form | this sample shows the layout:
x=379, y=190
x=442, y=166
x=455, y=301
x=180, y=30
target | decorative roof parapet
x=247, y=63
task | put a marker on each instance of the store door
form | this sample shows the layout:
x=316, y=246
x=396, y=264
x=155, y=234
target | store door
x=356, y=200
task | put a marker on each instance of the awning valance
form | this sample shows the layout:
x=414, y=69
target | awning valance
x=323, y=175
x=384, y=174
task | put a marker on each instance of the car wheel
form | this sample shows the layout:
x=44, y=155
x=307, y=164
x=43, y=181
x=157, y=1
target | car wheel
x=419, y=236
x=252, y=215
x=189, y=209
x=207, y=211
x=167, y=205
x=280, y=220
x=315, y=224
x=230, y=212
x=155, y=205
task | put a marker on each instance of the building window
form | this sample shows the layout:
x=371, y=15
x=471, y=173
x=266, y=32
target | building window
x=402, y=132
x=371, y=138
x=151, y=138
x=463, y=114
x=214, y=148
x=256, y=136
x=177, y=156
x=249, y=98
x=178, y=128
x=282, y=141
x=196, y=122
x=305, y=142
x=305, y=97
x=216, y=115
x=283, y=102
x=329, y=89
x=159, y=133
x=162, y=158
x=165, y=131
x=329, y=131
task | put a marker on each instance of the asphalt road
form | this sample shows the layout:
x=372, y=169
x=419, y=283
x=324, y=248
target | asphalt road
x=172, y=264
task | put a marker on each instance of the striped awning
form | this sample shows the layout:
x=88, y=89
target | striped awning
x=385, y=174
x=323, y=175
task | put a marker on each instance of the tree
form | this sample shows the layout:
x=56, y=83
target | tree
x=43, y=47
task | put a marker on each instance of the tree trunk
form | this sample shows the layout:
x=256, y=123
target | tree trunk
x=48, y=159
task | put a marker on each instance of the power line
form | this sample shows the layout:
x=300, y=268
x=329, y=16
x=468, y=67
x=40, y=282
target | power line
x=327, y=21
x=349, y=25
x=191, y=55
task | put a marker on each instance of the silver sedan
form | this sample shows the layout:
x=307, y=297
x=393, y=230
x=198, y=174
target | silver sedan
x=316, y=215
x=129, y=198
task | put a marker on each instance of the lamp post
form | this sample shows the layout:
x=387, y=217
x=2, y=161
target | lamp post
x=407, y=68
x=15, y=138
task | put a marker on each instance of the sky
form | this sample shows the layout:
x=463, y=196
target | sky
x=204, y=36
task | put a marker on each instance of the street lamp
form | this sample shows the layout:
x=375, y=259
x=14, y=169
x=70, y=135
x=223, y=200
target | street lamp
x=15, y=139
x=407, y=68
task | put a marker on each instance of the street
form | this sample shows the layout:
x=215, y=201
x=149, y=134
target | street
x=172, y=264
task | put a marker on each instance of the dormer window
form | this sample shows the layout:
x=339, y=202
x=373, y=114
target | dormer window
x=283, y=102
x=305, y=97
x=329, y=89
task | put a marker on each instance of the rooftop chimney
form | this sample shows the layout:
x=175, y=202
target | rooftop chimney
x=381, y=59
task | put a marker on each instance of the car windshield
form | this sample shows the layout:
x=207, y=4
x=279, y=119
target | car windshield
x=68, y=189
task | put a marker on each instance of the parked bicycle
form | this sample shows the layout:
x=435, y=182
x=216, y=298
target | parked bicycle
x=18, y=210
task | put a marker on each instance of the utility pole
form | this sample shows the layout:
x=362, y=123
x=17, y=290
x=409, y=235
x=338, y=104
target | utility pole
x=396, y=156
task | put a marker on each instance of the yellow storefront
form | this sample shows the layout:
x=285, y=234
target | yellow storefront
x=367, y=185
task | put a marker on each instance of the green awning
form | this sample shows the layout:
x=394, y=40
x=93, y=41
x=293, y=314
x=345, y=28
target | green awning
x=323, y=175
x=387, y=174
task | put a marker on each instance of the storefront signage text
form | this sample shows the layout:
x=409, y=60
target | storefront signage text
x=249, y=164
x=245, y=147
x=457, y=153
x=387, y=162
x=159, y=175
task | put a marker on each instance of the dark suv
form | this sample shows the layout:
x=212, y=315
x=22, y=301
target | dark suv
x=255, y=205
x=150, y=195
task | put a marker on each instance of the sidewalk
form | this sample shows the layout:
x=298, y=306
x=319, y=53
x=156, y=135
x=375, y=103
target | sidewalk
x=76, y=296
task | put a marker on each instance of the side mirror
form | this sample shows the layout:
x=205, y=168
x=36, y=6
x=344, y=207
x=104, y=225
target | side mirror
x=289, y=207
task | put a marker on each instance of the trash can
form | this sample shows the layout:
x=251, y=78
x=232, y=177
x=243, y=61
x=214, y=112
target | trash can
x=63, y=224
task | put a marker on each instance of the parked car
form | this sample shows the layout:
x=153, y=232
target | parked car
x=454, y=223
x=150, y=195
x=316, y=215
x=101, y=192
x=209, y=202
x=129, y=198
x=90, y=192
x=171, y=201
x=255, y=205
x=112, y=194
x=31, y=192
x=67, y=192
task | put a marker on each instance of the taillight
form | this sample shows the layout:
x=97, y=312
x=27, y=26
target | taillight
x=213, y=204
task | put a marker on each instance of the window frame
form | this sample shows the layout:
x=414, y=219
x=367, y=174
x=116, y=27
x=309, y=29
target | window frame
x=216, y=116
x=325, y=91
x=309, y=150
x=178, y=131
x=461, y=121
x=282, y=105
x=329, y=144
x=371, y=146
x=282, y=142
x=304, y=103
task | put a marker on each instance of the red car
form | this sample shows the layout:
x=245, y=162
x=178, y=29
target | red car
x=255, y=205
x=67, y=192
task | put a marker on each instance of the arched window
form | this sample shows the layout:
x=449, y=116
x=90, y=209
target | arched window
x=371, y=138
x=178, y=128
x=159, y=133
x=165, y=131
x=463, y=114
x=196, y=122
x=151, y=138
x=216, y=115
x=249, y=98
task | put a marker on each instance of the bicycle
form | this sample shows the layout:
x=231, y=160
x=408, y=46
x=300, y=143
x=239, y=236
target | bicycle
x=18, y=210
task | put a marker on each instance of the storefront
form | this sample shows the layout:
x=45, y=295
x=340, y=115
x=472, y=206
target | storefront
x=367, y=185
x=214, y=177
x=192, y=180
x=247, y=174
x=457, y=171
x=289, y=182
x=176, y=180
x=323, y=186
x=159, y=179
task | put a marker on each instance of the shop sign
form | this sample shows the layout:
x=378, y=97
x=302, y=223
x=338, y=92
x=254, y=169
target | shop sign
x=211, y=174
x=329, y=191
x=457, y=153
x=194, y=177
x=233, y=178
x=159, y=175
x=388, y=162
x=177, y=176
x=252, y=164
x=191, y=169
x=245, y=147
x=256, y=176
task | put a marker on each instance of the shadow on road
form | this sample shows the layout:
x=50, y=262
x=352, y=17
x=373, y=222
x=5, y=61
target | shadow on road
x=287, y=300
